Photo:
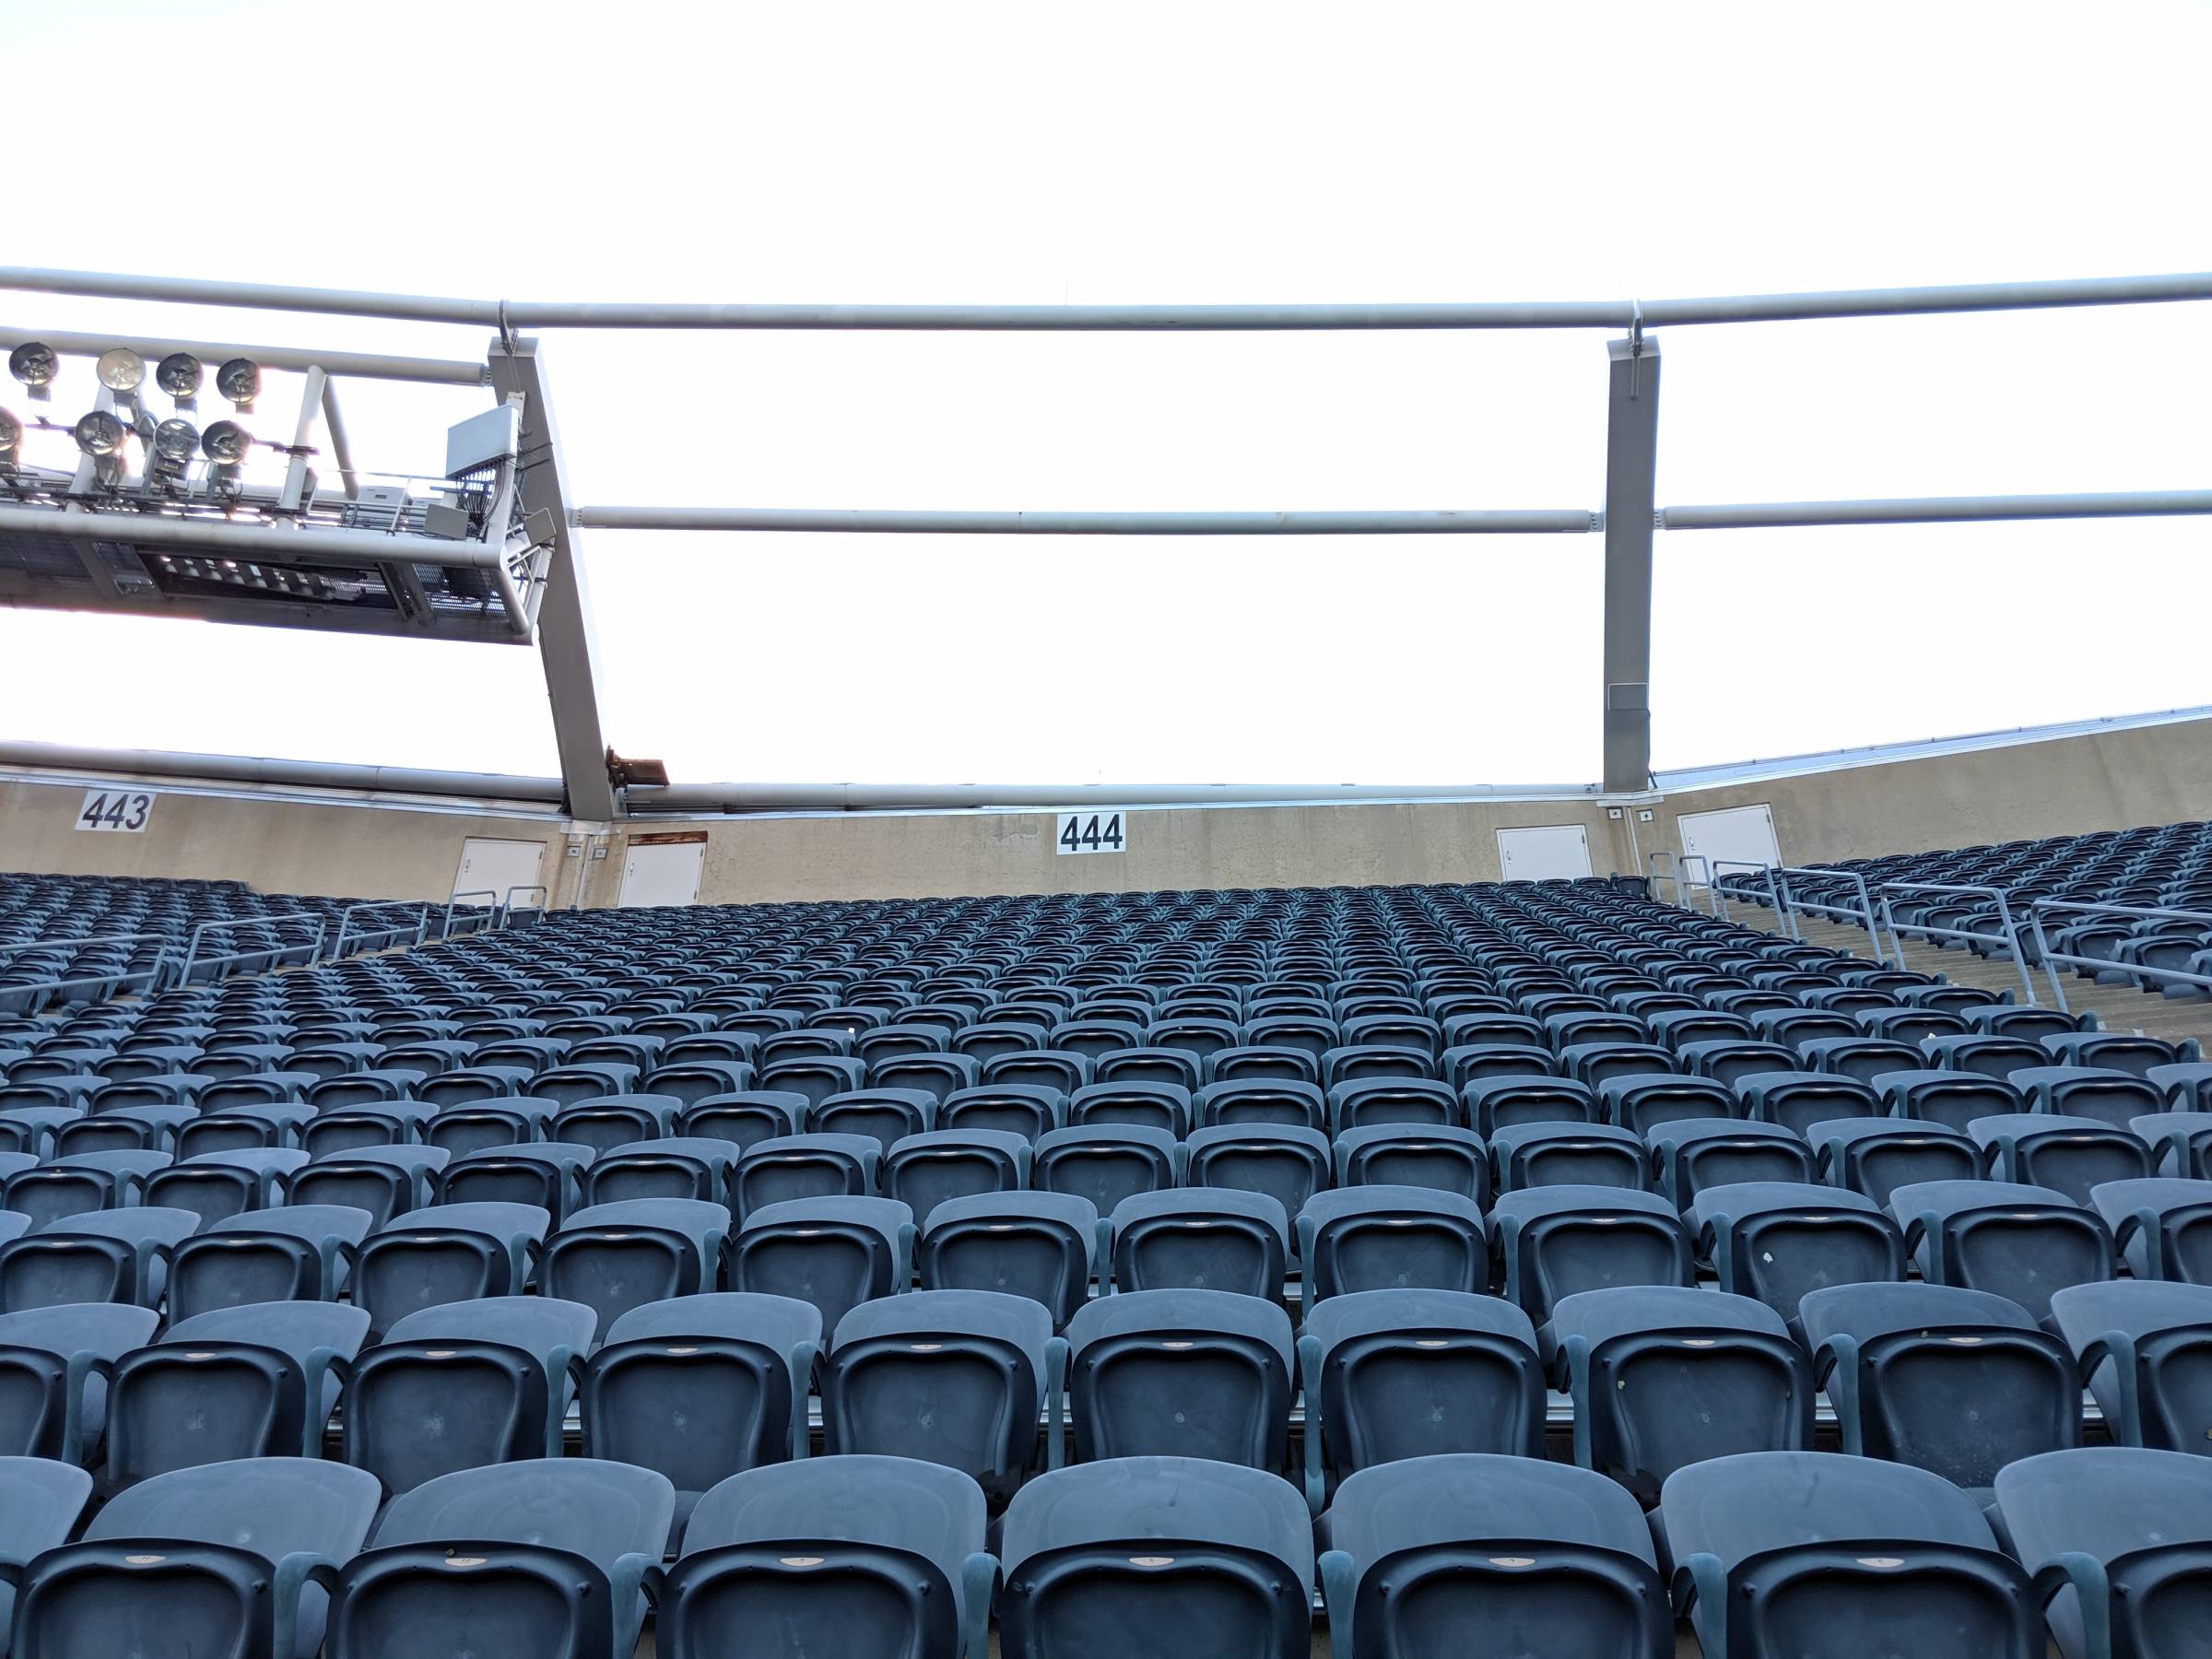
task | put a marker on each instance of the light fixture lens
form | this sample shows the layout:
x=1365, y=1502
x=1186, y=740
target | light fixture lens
x=11, y=432
x=179, y=374
x=119, y=369
x=33, y=363
x=239, y=380
x=175, y=439
x=99, y=434
x=226, y=442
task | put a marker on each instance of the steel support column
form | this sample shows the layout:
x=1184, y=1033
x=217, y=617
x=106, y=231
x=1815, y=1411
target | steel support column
x=1631, y=459
x=564, y=613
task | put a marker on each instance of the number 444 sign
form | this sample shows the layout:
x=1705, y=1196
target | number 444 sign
x=1091, y=832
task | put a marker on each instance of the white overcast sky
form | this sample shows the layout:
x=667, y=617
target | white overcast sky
x=1208, y=152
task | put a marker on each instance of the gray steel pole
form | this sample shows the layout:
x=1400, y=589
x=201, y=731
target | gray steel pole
x=351, y=365
x=304, y=774
x=1546, y=522
x=1938, y=510
x=1631, y=462
x=1569, y=314
x=225, y=540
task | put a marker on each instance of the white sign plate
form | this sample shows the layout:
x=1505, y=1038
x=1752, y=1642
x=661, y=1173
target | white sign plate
x=126, y=810
x=1091, y=832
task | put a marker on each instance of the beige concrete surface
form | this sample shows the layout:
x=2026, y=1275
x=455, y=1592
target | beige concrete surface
x=2107, y=780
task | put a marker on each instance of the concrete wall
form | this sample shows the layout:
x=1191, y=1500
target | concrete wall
x=2106, y=780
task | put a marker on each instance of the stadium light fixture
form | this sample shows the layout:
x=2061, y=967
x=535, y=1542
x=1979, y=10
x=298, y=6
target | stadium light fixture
x=175, y=441
x=179, y=374
x=99, y=434
x=35, y=364
x=11, y=439
x=119, y=369
x=226, y=442
x=239, y=381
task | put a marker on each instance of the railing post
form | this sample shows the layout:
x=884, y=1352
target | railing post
x=2042, y=957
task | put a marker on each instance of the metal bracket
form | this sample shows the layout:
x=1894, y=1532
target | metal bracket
x=1635, y=347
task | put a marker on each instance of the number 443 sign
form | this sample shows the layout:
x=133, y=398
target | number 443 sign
x=1091, y=832
x=124, y=809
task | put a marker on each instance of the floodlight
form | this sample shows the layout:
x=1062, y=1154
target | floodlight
x=240, y=380
x=178, y=375
x=35, y=365
x=119, y=369
x=176, y=440
x=11, y=436
x=226, y=442
x=99, y=434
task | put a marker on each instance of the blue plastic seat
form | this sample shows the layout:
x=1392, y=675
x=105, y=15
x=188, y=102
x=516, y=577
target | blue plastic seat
x=1599, y=1063
x=701, y=1388
x=2145, y=1351
x=1868, y=1059
x=1797, y=1099
x=614, y=1257
x=1474, y=1063
x=1261, y=1100
x=1157, y=1555
x=1776, y=1241
x=1391, y=1238
x=71, y=1185
x=101, y=1255
x=1538, y=1155
x=1443, y=1155
x=465, y=1385
x=1107, y=1162
x=694, y=1077
x=1026, y=1110
x=664, y=1167
x=1691, y=1154
x=1364, y=1103
x=292, y=1253
x=2118, y=1050
x=856, y=1555
x=2128, y=1532
x=1877, y=1156
x=218, y=1185
x=123, y=1129
x=1040, y=1245
x=1500, y=1102
x=1821, y=1556
x=235, y=1543
x=2022, y=1242
x=384, y=1181
x=542, y=1557
x=1663, y=1377
x=1530, y=1558
x=1163, y=1106
x=1287, y=1062
x=923, y=1171
x=954, y=1377
x=2072, y=1154
x=835, y=1252
x=40, y=1503
x=888, y=1115
x=2182, y=1141
x=2163, y=1227
x=1984, y=1055
x=486, y=1125
x=1641, y=1102
x=1729, y=1060
x=797, y=1167
x=446, y=1253
x=1556, y=1240
x=548, y=1174
x=1956, y=1381
x=253, y=1381
x=746, y=1116
x=54, y=1391
x=1394, y=1374
x=605, y=1121
x=1180, y=1374
x=386, y=1123
x=1200, y=1238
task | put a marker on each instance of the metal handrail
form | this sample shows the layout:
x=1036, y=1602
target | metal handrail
x=164, y=960
x=507, y=905
x=445, y=929
x=133, y=938
x=2009, y=938
x=1672, y=872
x=1863, y=916
x=302, y=918
x=1782, y=913
x=2053, y=961
x=346, y=916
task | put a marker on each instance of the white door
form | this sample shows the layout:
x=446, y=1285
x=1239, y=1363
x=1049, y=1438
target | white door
x=1731, y=838
x=1547, y=853
x=500, y=867
x=661, y=873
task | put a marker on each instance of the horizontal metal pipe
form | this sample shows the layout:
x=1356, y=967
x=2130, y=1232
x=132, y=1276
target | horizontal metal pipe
x=225, y=540
x=1571, y=520
x=355, y=365
x=1937, y=510
x=1572, y=314
x=932, y=798
x=302, y=774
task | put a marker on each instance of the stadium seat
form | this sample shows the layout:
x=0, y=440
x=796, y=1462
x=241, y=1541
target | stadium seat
x=292, y=1253
x=1443, y=1155
x=833, y=1251
x=1182, y=1373
x=1040, y=1245
x=1691, y=1154
x=2022, y=1242
x=791, y=1167
x=1496, y=1103
x=1378, y=1238
x=1556, y=1240
x=2142, y=1348
x=1200, y=1238
x=52, y=1393
x=1538, y=1155
x=923, y=1171
x=614, y=1257
x=2072, y=1154
x=1776, y=1241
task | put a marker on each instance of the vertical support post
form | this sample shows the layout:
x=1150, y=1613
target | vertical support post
x=564, y=613
x=1631, y=462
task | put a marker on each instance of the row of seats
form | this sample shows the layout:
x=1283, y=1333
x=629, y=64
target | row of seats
x=1799, y=1553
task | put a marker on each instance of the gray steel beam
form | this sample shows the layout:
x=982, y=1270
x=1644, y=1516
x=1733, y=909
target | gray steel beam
x=677, y=799
x=564, y=611
x=354, y=365
x=228, y=540
x=1631, y=461
x=1938, y=510
x=1570, y=521
x=301, y=774
x=1568, y=313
